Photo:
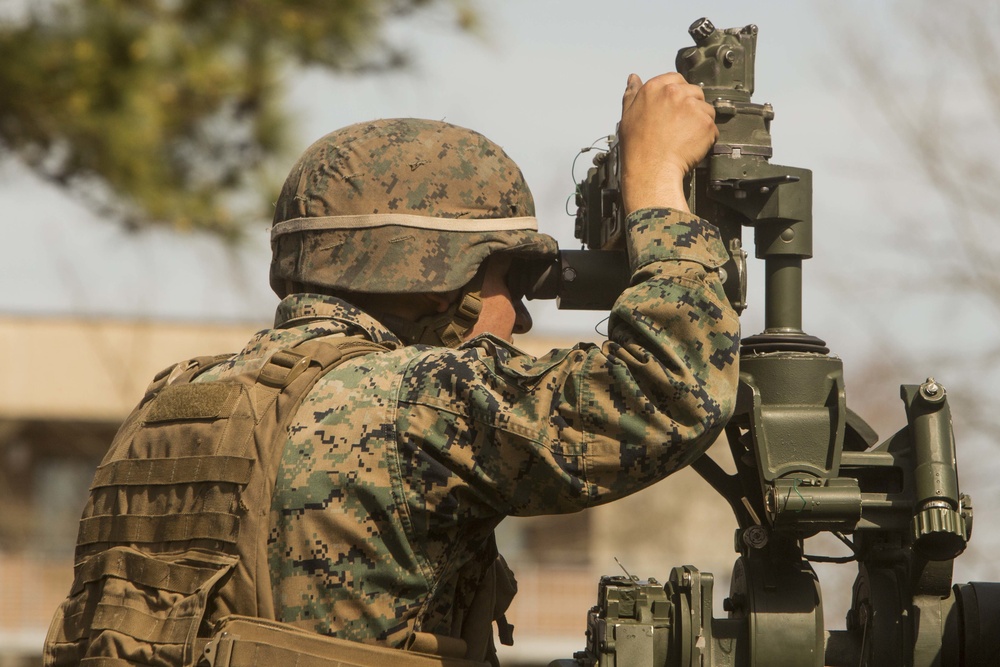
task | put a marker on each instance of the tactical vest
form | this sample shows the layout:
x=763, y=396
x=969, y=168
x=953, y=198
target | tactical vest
x=171, y=552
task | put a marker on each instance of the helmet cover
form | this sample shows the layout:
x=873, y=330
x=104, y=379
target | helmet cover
x=401, y=206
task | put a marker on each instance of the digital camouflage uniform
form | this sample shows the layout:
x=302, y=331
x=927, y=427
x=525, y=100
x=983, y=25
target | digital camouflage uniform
x=399, y=465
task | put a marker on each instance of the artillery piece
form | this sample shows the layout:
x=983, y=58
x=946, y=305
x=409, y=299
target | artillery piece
x=805, y=462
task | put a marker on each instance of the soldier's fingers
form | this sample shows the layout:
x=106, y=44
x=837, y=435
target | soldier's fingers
x=671, y=91
x=673, y=84
x=631, y=90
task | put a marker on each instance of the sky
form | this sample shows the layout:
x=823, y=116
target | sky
x=543, y=80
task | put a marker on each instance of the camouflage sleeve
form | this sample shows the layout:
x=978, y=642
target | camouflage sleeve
x=584, y=426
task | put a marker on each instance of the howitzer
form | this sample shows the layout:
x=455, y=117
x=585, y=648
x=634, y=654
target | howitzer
x=804, y=462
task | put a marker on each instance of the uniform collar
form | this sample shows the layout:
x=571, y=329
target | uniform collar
x=311, y=310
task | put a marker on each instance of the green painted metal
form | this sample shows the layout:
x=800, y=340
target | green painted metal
x=805, y=463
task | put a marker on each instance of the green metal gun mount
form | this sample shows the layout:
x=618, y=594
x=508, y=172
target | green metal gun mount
x=805, y=462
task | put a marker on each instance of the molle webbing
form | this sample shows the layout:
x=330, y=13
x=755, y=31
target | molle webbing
x=173, y=536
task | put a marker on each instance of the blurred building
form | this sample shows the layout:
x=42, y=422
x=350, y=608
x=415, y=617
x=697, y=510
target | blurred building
x=67, y=383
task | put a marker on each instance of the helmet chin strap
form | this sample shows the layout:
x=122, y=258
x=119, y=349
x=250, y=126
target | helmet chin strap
x=448, y=328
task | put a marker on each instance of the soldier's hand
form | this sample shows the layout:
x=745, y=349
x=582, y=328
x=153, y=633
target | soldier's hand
x=666, y=129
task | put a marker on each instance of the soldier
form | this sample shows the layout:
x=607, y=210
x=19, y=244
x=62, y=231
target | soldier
x=344, y=473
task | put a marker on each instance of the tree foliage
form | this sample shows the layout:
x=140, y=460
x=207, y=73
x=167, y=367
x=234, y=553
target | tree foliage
x=165, y=111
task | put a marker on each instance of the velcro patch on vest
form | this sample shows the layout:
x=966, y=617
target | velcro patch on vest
x=203, y=400
x=176, y=470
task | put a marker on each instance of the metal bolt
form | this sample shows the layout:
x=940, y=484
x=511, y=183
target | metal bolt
x=729, y=58
x=755, y=537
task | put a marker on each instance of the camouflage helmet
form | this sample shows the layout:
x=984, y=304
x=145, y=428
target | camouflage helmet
x=400, y=206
